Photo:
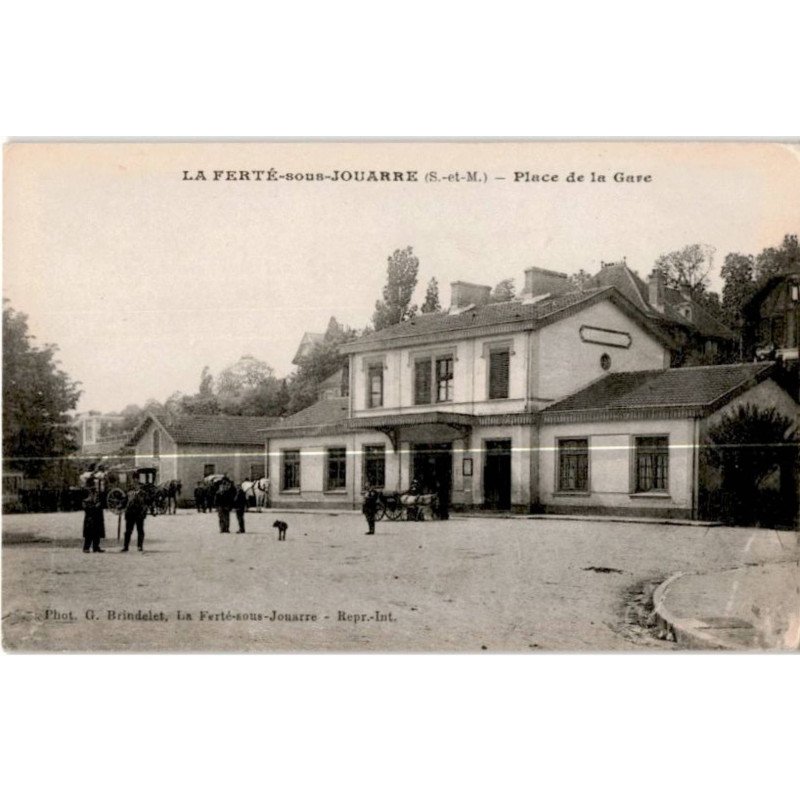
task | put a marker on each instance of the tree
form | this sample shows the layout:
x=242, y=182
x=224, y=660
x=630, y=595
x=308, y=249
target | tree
x=777, y=260
x=37, y=396
x=739, y=284
x=503, y=292
x=581, y=279
x=687, y=269
x=205, y=402
x=431, y=298
x=323, y=360
x=748, y=445
x=401, y=280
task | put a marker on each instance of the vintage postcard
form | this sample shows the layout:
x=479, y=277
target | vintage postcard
x=464, y=396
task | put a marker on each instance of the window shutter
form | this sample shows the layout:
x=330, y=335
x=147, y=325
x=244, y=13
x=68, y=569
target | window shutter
x=498, y=374
x=422, y=382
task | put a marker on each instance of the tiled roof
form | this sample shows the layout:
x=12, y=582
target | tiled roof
x=626, y=281
x=216, y=429
x=688, y=387
x=329, y=411
x=531, y=315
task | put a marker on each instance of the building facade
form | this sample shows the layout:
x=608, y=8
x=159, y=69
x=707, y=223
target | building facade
x=490, y=401
x=188, y=448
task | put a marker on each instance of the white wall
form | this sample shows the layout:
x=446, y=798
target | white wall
x=563, y=363
x=611, y=454
x=470, y=377
x=545, y=365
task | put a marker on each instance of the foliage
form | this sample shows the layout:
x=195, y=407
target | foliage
x=743, y=275
x=323, y=360
x=581, y=279
x=503, y=292
x=686, y=269
x=401, y=280
x=748, y=444
x=37, y=395
x=431, y=298
x=738, y=274
x=777, y=260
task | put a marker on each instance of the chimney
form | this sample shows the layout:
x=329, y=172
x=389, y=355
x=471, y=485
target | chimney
x=463, y=294
x=655, y=288
x=540, y=281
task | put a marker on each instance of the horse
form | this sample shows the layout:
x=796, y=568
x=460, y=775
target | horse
x=258, y=490
x=171, y=490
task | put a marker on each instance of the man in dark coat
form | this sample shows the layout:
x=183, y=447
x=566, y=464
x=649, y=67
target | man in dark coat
x=370, y=509
x=135, y=512
x=200, y=497
x=223, y=500
x=239, y=506
x=94, y=528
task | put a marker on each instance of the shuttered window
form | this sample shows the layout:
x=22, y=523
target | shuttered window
x=573, y=465
x=652, y=464
x=498, y=374
x=422, y=382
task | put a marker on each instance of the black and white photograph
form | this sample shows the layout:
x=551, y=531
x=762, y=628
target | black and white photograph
x=401, y=397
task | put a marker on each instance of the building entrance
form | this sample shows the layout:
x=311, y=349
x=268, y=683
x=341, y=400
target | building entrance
x=497, y=474
x=432, y=466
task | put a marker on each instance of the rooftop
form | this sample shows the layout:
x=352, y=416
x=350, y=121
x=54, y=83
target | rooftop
x=210, y=429
x=697, y=388
x=514, y=312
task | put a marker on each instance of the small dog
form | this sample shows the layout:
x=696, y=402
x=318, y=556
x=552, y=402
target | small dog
x=281, y=526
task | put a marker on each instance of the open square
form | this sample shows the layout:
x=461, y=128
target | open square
x=469, y=584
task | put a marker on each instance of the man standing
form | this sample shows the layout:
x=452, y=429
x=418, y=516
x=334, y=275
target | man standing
x=200, y=497
x=239, y=506
x=93, y=522
x=370, y=509
x=135, y=512
x=224, y=503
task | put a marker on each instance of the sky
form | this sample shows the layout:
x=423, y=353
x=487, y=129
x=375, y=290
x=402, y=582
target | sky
x=142, y=278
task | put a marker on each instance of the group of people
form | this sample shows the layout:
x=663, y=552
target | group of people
x=229, y=497
x=94, y=528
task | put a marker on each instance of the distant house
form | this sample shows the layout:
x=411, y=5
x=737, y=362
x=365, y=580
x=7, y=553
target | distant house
x=100, y=435
x=772, y=319
x=187, y=448
x=307, y=345
x=695, y=332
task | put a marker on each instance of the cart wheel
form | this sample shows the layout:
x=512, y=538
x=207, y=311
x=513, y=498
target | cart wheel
x=116, y=500
x=394, y=508
x=379, y=512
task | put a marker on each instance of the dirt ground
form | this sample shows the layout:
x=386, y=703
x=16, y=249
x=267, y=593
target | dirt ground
x=465, y=585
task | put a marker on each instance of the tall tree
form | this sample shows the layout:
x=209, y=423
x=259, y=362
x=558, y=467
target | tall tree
x=738, y=285
x=37, y=396
x=687, y=268
x=503, y=292
x=431, y=297
x=401, y=280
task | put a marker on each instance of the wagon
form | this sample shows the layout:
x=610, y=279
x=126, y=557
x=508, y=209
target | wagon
x=410, y=504
x=125, y=479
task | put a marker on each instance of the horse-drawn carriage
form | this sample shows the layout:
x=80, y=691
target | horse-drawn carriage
x=122, y=480
x=413, y=504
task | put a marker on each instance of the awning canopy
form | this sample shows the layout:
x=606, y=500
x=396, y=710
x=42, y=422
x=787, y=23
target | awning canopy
x=392, y=424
